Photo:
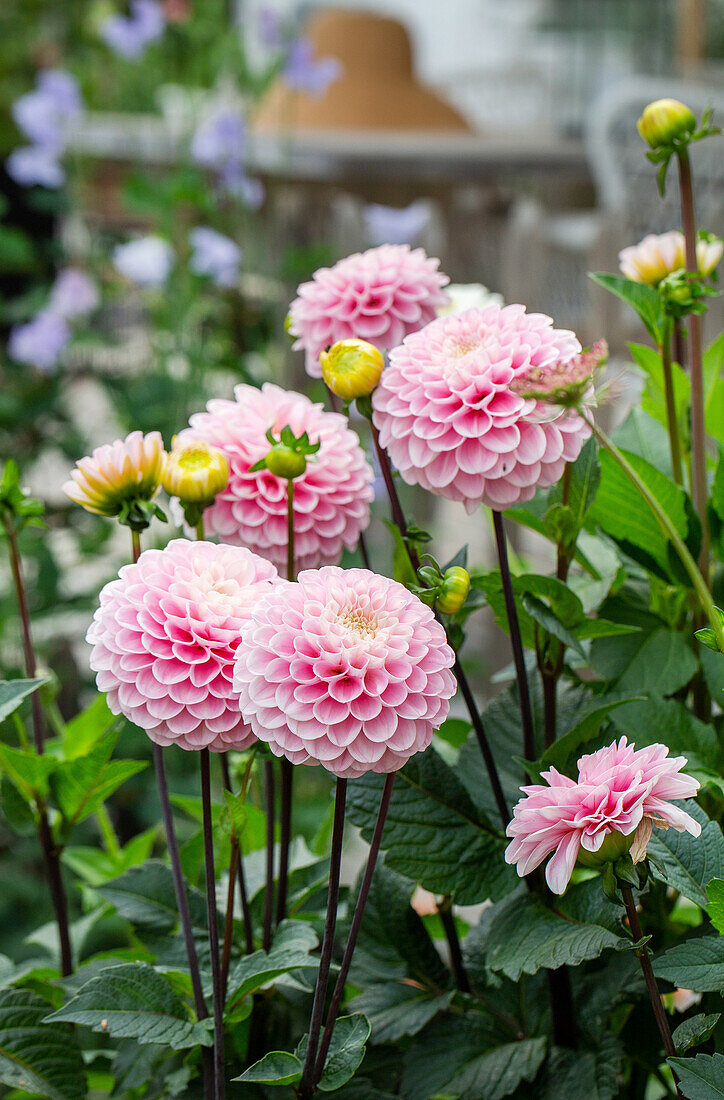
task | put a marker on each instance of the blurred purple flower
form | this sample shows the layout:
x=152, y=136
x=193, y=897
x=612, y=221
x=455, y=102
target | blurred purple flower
x=305, y=74
x=235, y=181
x=396, y=225
x=73, y=293
x=220, y=139
x=35, y=164
x=39, y=342
x=269, y=28
x=215, y=255
x=128, y=35
x=146, y=261
x=63, y=89
x=42, y=113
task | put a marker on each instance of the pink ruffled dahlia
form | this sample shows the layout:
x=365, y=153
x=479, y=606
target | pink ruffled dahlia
x=165, y=637
x=331, y=498
x=346, y=669
x=620, y=794
x=450, y=420
x=380, y=296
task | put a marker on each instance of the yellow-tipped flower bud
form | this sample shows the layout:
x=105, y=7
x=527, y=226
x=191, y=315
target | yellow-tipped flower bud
x=352, y=368
x=118, y=474
x=664, y=121
x=453, y=591
x=196, y=473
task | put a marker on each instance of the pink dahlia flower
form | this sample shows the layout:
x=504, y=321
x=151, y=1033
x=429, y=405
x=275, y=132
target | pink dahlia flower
x=346, y=669
x=331, y=498
x=165, y=637
x=620, y=794
x=451, y=422
x=380, y=296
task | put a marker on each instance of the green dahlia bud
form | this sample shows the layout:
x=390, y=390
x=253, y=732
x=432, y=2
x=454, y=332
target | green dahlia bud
x=664, y=121
x=195, y=473
x=352, y=368
x=453, y=591
x=285, y=462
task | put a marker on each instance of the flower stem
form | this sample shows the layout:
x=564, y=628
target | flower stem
x=135, y=545
x=447, y=919
x=526, y=714
x=334, y=405
x=213, y=922
x=269, y=798
x=287, y=769
x=563, y=554
x=51, y=854
x=398, y=516
x=200, y=533
x=241, y=878
x=697, y=581
x=671, y=417
x=359, y=910
x=645, y=959
x=307, y=1083
x=698, y=428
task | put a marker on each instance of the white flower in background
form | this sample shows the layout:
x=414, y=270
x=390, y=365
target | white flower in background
x=396, y=225
x=468, y=296
x=215, y=255
x=146, y=261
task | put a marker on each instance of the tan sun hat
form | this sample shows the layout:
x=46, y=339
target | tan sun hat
x=376, y=91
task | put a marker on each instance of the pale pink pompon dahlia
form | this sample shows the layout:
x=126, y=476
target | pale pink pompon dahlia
x=380, y=296
x=346, y=669
x=331, y=498
x=620, y=794
x=165, y=636
x=451, y=422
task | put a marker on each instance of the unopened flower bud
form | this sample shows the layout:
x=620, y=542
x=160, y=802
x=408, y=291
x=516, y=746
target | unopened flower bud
x=285, y=462
x=196, y=473
x=119, y=474
x=665, y=120
x=453, y=591
x=352, y=368
x=709, y=251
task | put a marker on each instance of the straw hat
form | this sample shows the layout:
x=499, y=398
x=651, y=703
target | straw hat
x=376, y=91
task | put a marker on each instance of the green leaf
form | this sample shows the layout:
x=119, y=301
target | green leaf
x=715, y=906
x=700, y=1078
x=28, y=771
x=36, y=1056
x=654, y=399
x=467, y=1058
x=696, y=964
x=98, y=867
x=277, y=1068
x=399, y=1007
x=663, y=665
x=291, y=950
x=551, y=623
x=688, y=862
x=585, y=729
x=643, y=299
x=13, y=692
x=145, y=896
x=585, y=476
x=434, y=834
x=346, y=1051
x=454, y=731
x=643, y=722
x=89, y=727
x=525, y=934
x=564, y=604
x=134, y=1001
x=694, y=1031
x=620, y=511
x=589, y=1074
x=81, y=785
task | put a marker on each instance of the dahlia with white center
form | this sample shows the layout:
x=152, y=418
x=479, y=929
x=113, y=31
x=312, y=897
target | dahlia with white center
x=331, y=498
x=380, y=295
x=450, y=420
x=346, y=669
x=165, y=637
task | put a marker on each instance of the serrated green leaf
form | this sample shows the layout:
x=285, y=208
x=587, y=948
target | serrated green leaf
x=454, y=731
x=291, y=950
x=468, y=1059
x=694, y=1031
x=644, y=300
x=98, y=867
x=434, y=834
x=13, y=692
x=83, y=732
x=546, y=618
x=28, y=771
x=17, y=809
x=562, y=601
x=589, y=1074
x=584, y=730
x=81, y=785
x=700, y=1078
x=688, y=862
x=525, y=934
x=399, y=1007
x=686, y=735
x=696, y=964
x=277, y=1068
x=134, y=1001
x=663, y=665
x=584, y=478
x=715, y=905
x=346, y=1051
x=36, y=1056
x=145, y=896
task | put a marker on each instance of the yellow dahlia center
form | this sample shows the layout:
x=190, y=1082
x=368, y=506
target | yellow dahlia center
x=356, y=622
x=194, y=458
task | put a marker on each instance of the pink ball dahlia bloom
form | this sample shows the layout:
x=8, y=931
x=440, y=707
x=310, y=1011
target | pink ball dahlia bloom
x=380, y=296
x=450, y=421
x=346, y=669
x=620, y=794
x=331, y=498
x=165, y=637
